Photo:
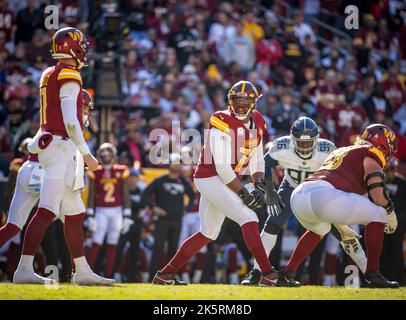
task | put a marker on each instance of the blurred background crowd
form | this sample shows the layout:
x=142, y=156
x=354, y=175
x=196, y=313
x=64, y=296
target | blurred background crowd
x=175, y=61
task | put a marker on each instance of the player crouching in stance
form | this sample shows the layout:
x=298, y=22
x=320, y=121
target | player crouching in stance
x=109, y=192
x=233, y=145
x=61, y=151
x=334, y=195
x=300, y=154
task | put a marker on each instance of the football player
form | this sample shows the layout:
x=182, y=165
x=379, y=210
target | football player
x=108, y=210
x=233, y=146
x=26, y=180
x=335, y=195
x=62, y=152
x=300, y=154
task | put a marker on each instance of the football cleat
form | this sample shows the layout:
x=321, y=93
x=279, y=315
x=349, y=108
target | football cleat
x=252, y=278
x=374, y=279
x=269, y=279
x=167, y=279
x=287, y=279
x=30, y=277
x=89, y=278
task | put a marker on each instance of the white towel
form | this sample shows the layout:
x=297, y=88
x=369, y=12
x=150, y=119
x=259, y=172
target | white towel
x=33, y=146
x=79, y=184
x=35, y=181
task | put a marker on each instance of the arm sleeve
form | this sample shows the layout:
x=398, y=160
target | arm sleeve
x=69, y=94
x=220, y=147
x=270, y=163
x=257, y=163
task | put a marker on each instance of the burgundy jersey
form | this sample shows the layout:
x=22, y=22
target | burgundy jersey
x=109, y=185
x=52, y=79
x=244, y=142
x=344, y=168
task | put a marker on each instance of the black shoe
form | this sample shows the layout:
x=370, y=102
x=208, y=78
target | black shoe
x=167, y=279
x=375, y=279
x=287, y=279
x=252, y=278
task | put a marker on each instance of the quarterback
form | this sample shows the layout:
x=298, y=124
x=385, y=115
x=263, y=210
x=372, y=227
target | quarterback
x=334, y=194
x=62, y=152
x=300, y=154
x=108, y=210
x=233, y=146
x=28, y=184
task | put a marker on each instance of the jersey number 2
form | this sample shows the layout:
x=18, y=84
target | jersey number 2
x=109, y=189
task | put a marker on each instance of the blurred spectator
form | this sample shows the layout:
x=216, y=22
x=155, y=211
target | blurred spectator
x=28, y=20
x=240, y=49
x=377, y=106
x=251, y=28
x=164, y=196
x=302, y=29
x=284, y=114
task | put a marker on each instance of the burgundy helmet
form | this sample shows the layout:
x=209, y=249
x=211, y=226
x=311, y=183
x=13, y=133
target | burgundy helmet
x=70, y=43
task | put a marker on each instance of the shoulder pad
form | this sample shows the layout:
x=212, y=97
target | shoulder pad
x=377, y=155
x=326, y=146
x=219, y=120
x=279, y=145
x=69, y=74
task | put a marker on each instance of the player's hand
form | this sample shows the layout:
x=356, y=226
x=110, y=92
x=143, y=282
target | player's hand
x=159, y=212
x=90, y=161
x=253, y=200
x=392, y=223
x=273, y=200
x=127, y=222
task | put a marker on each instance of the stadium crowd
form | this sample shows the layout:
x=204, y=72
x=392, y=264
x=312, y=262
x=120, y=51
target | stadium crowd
x=178, y=59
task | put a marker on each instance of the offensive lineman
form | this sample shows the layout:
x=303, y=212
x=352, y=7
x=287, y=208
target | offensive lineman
x=62, y=152
x=108, y=210
x=335, y=194
x=234, y=144
x=300, y=154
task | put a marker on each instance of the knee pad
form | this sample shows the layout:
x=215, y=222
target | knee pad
x=272, y=228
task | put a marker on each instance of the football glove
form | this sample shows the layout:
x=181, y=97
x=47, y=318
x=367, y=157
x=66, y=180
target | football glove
x=392, y=223
x=253, y=200
x=91, y=220
x=349, y=238
x=127, y=223
x=274, y=201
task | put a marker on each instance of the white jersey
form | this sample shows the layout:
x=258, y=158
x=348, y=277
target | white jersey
x=297, y=169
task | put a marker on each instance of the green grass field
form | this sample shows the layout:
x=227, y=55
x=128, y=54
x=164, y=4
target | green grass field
x=193, y=292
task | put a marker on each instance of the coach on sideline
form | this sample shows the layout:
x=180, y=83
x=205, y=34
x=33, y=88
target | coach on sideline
x=165, y=197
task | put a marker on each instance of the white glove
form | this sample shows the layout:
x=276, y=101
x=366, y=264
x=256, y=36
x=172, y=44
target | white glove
x=126, y=225
x=392, y=223
x=349, y=238
x=92, y=223
x=91, y=220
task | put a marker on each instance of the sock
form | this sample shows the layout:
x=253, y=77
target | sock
x=111, y=250
x=26, y=263
x=187, y=250
x=92, y=253
x=253, y=242
x=81, y=264
x=304, y=247
x=36, y=230
x=268, y=241
x=73, y=230
x=8, y=231
x=373, y=241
